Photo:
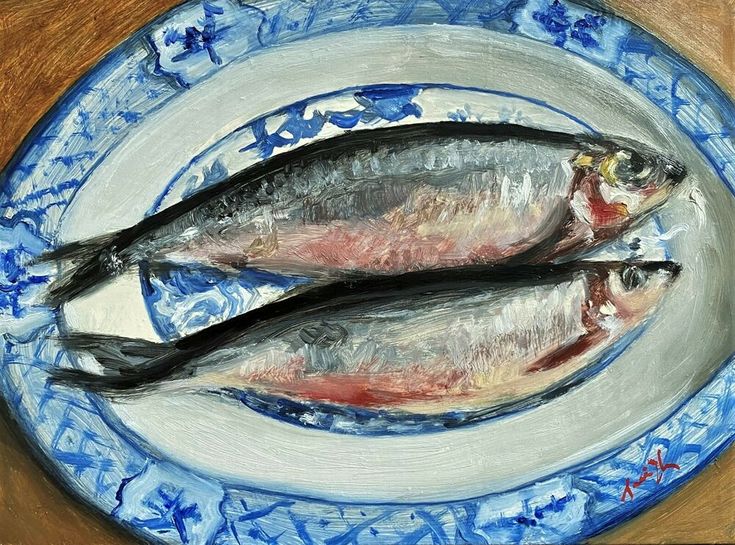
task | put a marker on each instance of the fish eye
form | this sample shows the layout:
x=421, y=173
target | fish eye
x=633, y=278
x=636, y=163
x=631, y=167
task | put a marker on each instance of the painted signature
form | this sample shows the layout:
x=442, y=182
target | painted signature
x=658, y=465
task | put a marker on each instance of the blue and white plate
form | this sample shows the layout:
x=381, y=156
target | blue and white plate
x=213, y=87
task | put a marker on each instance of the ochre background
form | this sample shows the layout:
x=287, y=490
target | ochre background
x=46, y=45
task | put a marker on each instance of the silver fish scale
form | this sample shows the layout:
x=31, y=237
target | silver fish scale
x=511, y=174
x=436, y=164
x=492, y=333
x=476, y=334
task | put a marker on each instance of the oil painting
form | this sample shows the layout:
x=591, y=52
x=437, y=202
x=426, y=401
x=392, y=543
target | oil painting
x=385, y=272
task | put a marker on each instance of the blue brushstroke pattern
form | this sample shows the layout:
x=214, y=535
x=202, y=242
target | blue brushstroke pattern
x=194, y=39
x=168, y=501
x=184, y=298
x=392, y=103
x=295, y=124
x=555, y=21
x=582, y=29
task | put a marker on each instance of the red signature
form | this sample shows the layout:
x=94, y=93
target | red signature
x=659, y=467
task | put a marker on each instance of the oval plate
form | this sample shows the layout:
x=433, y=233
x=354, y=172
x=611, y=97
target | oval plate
x=157, y=494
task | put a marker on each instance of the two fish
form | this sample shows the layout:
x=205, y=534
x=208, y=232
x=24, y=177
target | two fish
x=428, y=248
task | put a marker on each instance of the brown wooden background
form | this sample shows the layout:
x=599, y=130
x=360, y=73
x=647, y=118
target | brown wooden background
x=46, y=45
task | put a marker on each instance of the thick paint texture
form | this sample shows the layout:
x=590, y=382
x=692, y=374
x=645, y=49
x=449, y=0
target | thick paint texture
x=396, y=199
x=163, y=500
x=448, y=347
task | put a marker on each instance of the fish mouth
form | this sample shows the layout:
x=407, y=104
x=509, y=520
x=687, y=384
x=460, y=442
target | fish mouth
x=671, y=267
x=675, y=171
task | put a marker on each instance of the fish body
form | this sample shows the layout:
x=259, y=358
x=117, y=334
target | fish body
x=396, y=199
x=427, y=343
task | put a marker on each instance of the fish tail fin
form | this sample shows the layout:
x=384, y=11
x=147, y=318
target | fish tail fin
x=78, y=378
x=93, y=261
x=115, y=353
x=126, y=362
x=81, y=250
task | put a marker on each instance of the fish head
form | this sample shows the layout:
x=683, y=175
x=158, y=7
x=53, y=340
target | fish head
x=634, y=288
x=620, y=183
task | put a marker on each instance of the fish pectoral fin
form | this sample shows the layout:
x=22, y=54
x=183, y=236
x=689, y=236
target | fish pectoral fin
x=542, y=248
x=559, y=357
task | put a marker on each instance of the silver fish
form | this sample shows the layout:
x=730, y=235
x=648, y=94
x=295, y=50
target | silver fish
x=426, y=343
x=397, y=199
